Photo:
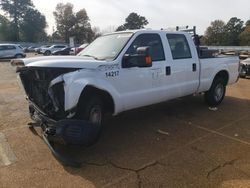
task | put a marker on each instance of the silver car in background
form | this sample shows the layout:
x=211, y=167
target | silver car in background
x=11, y=51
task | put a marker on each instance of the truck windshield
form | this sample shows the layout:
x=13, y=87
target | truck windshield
x=106, y=47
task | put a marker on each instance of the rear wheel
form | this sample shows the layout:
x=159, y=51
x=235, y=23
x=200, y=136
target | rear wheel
x=91, y=110
x=215, y=95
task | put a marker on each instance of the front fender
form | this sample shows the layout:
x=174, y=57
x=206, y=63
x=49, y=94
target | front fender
x=73, y=90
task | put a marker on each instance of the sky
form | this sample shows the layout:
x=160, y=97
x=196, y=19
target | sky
x=108, y=14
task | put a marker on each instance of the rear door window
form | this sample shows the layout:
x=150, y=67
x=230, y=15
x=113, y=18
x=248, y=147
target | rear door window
x=60, y=46
x=10, y=47
x=179, y=46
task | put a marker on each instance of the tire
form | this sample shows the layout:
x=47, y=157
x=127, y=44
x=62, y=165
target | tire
x=18, y=56
x=47, y=53
x=91, y=110
x=215, y=95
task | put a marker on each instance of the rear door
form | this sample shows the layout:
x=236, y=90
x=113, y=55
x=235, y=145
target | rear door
x=184, y=66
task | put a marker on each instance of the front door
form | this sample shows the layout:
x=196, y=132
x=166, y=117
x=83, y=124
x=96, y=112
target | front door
x=140, y=86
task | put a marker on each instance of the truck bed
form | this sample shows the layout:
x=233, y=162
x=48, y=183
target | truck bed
x=210, y=66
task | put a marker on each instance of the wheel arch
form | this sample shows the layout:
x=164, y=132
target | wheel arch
x=222, y=74
x=107, y=99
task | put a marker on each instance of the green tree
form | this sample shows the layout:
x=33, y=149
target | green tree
x=247, y=23
x=233, y=28
x=133, y=21
x=4, y=28
x=244, y=37
x=73, y=24
x=65, y=19
x=33, y=26
x=16, y=9
x=214, y=35
x=82, y=29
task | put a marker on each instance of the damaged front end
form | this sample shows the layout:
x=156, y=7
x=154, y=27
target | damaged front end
x=48, y=91
x=45, y=92
x=44, y=88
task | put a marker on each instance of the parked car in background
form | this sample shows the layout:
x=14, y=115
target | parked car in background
x=64, y=51
x=11, y=51
x=31, y=49
x=245, y=68
x=51, y=49
x=38, y=50
x=77, y=50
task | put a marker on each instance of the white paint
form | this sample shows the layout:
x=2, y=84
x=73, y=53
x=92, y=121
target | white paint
x=3, y=156
x=136, y=87
x=7, y=156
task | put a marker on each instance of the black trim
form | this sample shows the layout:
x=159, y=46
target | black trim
x=168, y=70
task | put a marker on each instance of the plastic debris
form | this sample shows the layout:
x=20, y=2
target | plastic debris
x=163, y=132
x=213, y=108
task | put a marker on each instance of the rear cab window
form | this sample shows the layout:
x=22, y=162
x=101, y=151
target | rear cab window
x=179, y=46
x=152, y=40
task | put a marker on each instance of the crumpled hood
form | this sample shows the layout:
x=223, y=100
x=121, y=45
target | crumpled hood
x=246, y=61
x=60, y=62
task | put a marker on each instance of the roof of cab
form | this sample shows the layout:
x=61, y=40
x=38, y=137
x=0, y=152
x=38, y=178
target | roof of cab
x=6, y=44
x=148, y=31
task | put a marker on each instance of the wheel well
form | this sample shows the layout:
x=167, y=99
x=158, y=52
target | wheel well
x=224, y=75
x=106, y=98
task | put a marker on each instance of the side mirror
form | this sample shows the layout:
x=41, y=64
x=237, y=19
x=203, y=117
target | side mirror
x=141, y=59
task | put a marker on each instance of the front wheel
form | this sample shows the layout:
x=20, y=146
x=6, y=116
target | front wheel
x=91, y=110
x=215, y=95
x=47, y=53
x=18, y=56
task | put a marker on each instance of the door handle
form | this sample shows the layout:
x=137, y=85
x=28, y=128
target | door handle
x=194, y=67
x=168, y=70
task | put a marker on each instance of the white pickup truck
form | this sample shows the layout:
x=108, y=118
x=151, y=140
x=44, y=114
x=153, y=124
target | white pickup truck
x=118, y=72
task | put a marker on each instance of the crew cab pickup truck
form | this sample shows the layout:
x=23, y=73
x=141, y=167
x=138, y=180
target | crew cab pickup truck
x=68, y=95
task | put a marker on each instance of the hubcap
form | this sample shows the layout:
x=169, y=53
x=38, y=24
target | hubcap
x=219, y=91
x=96, y=115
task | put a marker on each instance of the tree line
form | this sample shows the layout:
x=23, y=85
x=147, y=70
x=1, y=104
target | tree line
x=23, y=22
x=233, y=33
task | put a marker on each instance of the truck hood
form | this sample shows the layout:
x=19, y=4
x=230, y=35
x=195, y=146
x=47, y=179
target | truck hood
x=60, y=62
x=245, y=62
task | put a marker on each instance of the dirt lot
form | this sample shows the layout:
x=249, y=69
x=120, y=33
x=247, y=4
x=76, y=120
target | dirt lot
x=180, y=143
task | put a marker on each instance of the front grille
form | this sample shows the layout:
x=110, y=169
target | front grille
x=36, y=84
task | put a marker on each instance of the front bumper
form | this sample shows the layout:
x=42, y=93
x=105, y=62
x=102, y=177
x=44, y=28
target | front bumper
x=244, y=70
x=65, y=131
